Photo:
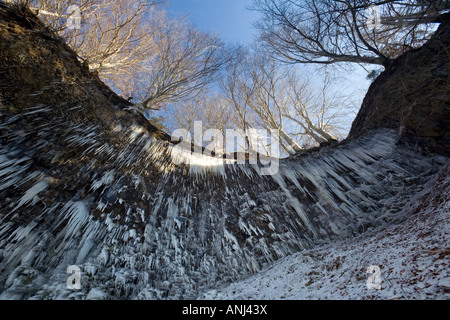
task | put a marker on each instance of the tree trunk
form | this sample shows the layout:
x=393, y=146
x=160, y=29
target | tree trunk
x=294, y=145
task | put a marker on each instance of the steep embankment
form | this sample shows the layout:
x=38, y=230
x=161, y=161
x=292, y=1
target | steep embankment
x=412, y=254
x=413, y=96
x=86, y=181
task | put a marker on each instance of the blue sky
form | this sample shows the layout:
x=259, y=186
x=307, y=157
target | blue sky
x=230, y=19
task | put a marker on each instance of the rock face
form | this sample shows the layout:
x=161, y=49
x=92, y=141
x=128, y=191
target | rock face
x=85, y=180
x=413, y=96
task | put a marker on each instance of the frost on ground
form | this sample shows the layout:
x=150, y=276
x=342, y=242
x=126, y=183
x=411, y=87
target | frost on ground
x=412, y=254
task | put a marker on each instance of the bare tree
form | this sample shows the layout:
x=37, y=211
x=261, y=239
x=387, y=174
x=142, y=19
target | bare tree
x=209, y=112
x=217, y=113
x=266, y=94
x=211, y=109
x=358, y=31
x=235, y=87
x=136, y=49
x=184, y=115
x=319, y=114
x=113, y=36
x=268, y=97
x=186, y=61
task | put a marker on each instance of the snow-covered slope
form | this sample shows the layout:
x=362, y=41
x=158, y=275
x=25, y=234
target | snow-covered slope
x=413, y=254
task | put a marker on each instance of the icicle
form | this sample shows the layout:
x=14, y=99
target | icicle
x=32, y=193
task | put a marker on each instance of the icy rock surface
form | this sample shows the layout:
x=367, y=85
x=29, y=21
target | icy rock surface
x=111, y=200
x=412, y=255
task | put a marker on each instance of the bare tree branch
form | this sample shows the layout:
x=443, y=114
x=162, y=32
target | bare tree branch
x=136, y=49
x=331, y=31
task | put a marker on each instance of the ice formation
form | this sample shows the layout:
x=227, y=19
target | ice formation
x=112, y=200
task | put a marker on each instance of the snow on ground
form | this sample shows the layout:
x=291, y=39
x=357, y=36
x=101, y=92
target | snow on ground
x=412, y=254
